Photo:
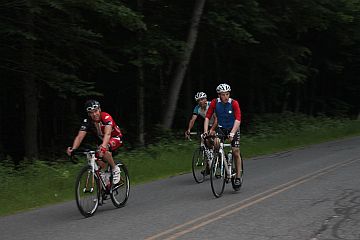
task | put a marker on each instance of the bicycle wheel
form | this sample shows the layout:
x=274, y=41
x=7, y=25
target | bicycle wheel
x=198, y=165
x=237, y=187
x=217, y=176
x=87, y=192
x=120, y=192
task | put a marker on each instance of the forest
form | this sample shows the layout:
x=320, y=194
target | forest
x=145, y=60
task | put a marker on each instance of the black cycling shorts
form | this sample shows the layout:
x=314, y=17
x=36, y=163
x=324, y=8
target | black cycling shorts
x=236, y=140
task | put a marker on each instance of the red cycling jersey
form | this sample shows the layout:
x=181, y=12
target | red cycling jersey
x=99, y=127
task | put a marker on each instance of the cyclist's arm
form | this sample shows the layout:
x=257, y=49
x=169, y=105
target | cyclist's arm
x=214, y=126
x=209, y=114
x=237, y=115
x=235, y=127
x=191, y=123
x=107, y=135
x=77, y=141
x=206, y=124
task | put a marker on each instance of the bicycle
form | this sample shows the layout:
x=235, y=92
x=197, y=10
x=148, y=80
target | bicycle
x=223, y=168
x=199, y=159
x=93, y=186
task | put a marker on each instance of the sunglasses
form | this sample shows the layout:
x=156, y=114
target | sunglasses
x=92, y=108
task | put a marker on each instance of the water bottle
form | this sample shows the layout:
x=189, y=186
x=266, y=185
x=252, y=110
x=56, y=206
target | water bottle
x=229, y=157
x=107, y=178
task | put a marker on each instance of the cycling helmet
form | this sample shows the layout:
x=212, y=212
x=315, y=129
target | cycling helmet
x=91, y=105
x=223, y=88
x=200, y=95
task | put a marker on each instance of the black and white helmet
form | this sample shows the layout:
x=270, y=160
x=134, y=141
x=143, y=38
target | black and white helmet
x=91, y=105
x=223, y=88
x=200, y=95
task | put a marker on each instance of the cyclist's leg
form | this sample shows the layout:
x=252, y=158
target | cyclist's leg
x=114, y=144
x=235, y=144
x=217, y=140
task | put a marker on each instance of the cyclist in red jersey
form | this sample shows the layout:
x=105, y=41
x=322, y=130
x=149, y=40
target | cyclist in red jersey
x=228, y=114
x=102, y=125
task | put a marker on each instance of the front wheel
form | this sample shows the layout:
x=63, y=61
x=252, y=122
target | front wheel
x=120, y=192
x=87, y=192
x=217, y=175
x=199, y=165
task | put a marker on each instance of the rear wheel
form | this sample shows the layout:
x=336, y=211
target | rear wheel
x=87, y=192
x=120, y=192
x=237, y=187
x=198, y=165
x=217, y=176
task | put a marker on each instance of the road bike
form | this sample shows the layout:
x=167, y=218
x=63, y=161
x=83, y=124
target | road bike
x=223, y=168
x=93, y=186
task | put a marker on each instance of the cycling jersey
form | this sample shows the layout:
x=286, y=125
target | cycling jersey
x=199, y=112
x=98, y=128
x=226, y=113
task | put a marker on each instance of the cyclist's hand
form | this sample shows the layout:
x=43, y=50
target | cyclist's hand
x=102, y=151
x=187, y=134
x=212, y=133
x=69, y=151
x=204, y=135
x=231, y=136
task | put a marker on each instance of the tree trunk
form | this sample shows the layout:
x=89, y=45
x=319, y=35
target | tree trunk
x=180, y=71
x=30, y=95
x=217, y=62
x=31, y=117
x=285, y=102
x=2, y=115
x=141, y=89
x=141, y=107
x=297, y=100
x=189, y=97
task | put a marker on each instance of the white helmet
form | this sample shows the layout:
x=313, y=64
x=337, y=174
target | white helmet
x=200, y=95
x=223, y=88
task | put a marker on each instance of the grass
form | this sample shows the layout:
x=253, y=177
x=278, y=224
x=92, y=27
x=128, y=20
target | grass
x=35, y=184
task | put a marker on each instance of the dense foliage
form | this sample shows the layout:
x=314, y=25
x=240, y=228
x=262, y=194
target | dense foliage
x=299, y=56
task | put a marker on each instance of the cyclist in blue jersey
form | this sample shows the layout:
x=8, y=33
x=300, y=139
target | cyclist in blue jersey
x=228, y=115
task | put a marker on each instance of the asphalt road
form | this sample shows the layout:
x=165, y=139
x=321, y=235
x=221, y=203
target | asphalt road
x=312, y=193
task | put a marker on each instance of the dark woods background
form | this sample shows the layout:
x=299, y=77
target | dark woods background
x=301, y=56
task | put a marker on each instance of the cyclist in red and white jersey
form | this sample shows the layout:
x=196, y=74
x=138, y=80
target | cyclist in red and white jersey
x=228, y=115
x=104, y=127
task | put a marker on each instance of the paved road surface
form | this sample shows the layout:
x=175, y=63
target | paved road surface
x=312, y=193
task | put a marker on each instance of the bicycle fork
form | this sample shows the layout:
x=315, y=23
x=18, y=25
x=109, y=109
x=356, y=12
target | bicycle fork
x=90, y=175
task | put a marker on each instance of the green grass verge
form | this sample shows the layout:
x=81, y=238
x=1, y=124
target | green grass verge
x=36, y=184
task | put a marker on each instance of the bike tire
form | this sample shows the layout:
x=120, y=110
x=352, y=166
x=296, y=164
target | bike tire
x=87, y=199
x=236, y=187
x=217, y=176
x=198, y=165
x=120, y=192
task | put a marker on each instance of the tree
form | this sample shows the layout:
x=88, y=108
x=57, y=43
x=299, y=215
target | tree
x=180, y=71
